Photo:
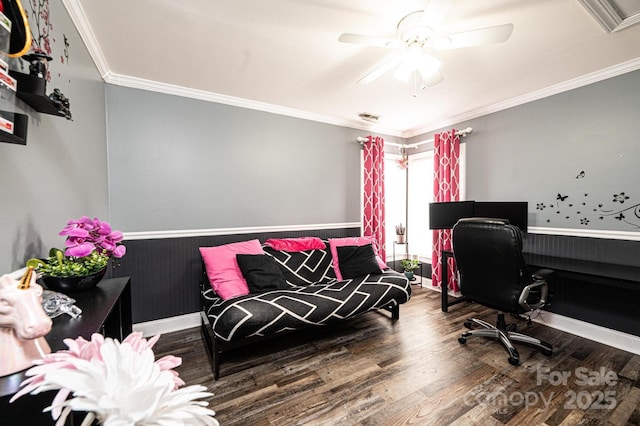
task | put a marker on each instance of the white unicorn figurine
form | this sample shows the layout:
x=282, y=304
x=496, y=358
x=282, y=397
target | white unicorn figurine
x=23, y=322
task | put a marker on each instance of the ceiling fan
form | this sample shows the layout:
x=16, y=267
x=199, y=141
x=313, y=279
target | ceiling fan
x=417, y=34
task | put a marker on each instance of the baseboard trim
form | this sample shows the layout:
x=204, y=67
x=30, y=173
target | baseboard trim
x=168, y=325
x=606, y=336
x=617, y=339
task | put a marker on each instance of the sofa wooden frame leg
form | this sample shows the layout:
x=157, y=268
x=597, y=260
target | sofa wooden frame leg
x=210, y=343
x=395, y=311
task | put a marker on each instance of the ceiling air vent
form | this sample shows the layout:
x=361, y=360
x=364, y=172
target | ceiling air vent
x=369, y=117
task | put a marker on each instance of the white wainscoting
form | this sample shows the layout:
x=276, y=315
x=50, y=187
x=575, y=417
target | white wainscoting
x=185, y=233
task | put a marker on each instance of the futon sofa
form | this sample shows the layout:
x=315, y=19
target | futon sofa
x=310, y=291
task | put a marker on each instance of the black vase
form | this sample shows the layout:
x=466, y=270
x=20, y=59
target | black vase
x=74, y=284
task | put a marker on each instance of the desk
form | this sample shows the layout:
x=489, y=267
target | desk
x=599, y=293
x=621, y=276
x=106, y=309
x=595, y=292
x=444, y=289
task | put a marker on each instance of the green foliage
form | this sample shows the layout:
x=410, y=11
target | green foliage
x=410, y=264
x=57, y=265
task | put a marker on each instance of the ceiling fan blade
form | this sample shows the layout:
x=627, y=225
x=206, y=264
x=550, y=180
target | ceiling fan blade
x=381, y=69
x=366, y=40
x=488, y=35
x=435, y=12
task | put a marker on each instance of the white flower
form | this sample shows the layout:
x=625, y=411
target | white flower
x=120, y=383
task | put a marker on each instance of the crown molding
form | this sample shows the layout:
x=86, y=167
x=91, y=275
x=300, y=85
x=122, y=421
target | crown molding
x=203, y=95
x=79, y=19
x=594, y=77
x=607, y=14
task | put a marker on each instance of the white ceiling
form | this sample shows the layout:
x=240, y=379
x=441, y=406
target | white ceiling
x=284, y=55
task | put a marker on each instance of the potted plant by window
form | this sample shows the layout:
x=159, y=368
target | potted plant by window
x=90, y=244
x=408, y=265
x=400, y=234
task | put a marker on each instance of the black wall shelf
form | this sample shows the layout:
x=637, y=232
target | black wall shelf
x=32, y=90
x=20, y=122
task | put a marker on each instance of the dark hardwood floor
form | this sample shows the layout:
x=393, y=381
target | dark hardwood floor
x=372, y=371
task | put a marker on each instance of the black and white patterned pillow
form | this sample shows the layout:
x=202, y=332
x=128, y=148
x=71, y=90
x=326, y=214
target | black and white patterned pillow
x=303, y=268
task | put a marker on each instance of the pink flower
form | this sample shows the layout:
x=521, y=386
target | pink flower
x=86, y=235
x=81, y=349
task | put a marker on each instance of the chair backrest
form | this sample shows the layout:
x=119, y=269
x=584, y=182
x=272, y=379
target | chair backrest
x=488, y=254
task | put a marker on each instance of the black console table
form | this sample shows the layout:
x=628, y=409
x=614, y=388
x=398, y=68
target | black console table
x=106, y=309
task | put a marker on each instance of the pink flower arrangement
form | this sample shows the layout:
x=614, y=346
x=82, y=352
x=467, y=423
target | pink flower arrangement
x=117, y=383
x=85, y=235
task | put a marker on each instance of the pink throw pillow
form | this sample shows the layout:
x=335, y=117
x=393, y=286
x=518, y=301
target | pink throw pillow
x=222, y=267
x=351, y=241
x=296, y=244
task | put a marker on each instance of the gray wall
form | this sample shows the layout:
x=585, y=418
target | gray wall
x=538, y=150
x=62, y=171
x=178, y=163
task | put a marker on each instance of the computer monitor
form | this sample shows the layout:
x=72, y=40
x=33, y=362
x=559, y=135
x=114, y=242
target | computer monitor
x=516, y=212
x=444, y=215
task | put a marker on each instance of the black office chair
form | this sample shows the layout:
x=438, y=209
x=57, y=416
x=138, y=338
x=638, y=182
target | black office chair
x=488, y=254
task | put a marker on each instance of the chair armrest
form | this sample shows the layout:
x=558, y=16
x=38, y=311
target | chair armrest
x=542, y=274
x=540, y=283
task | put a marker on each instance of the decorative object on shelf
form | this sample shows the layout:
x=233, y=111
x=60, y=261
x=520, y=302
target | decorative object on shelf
x=55, y=304
x=23, y=322
x=61, y=102
x=20, y=29
x=38, y=63
x=13, y=126
x=408, y=265
x=118, y=383
x=90, y=244
x=75, y=283
x=400, y=234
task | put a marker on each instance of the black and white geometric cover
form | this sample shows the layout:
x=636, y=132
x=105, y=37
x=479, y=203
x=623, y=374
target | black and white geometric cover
x=315, y=298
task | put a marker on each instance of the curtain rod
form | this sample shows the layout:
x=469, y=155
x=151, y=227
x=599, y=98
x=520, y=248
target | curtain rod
x=361, y=139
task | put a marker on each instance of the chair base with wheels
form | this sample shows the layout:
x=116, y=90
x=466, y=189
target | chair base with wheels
x=505, y=333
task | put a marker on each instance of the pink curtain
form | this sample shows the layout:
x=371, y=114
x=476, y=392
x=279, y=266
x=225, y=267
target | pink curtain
x=446, y=187
x=373, y=220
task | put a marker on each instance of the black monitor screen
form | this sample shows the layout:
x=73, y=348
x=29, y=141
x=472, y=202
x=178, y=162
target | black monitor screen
x=516, y=212
x=445, y=215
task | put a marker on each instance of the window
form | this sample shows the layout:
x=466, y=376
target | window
x=420, y=194
x=408, y=193
x=395, y=194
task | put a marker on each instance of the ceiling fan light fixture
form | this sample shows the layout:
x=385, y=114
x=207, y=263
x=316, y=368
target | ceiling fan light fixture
x=425, y=64
x=403, y=73
x=417, y=34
